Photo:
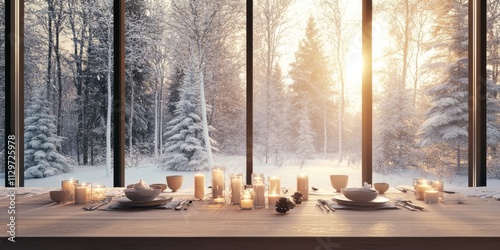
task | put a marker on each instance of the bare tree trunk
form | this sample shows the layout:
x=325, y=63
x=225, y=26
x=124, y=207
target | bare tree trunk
x=131, y=119
x=50, y=44
x=208, y=146
x=406, y=44
x=161, y=117
x=156, y=120
x=58, y=28
x=325, y=138
x=110, y=100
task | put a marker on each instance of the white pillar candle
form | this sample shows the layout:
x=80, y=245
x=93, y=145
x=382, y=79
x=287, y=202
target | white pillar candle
x=257, y=176
x=439, y=186
x=419, y=193
x=236, y=186
x=246, y=198
x=303, y=186
x=69, y=185
x=274, y=185
x=218, y=187
x=272, y=199
x=431, y=196
x=259, y=195
x=81, y=194
x=199, y=186
x=246, y=204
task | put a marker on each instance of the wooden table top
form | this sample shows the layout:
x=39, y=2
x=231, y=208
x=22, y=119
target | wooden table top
x=39, y=216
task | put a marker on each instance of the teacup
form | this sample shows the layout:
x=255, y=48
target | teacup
x=381, y=187
x=339, y=181
x=174, y=182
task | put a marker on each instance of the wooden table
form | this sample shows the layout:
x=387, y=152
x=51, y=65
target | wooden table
x=475, y=222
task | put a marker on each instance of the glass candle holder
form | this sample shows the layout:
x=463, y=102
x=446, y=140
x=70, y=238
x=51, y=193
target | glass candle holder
x=417, y=181
x=440, y=187
x=98, y=193
x=259, y=191
x=274, y=191
x=218, y=185
x=431, y=195
x=83, y=193
x=420, y=191
x=236, y=188
x=246, y=198
x=303, y=186
x=256, y=176
x=69, y=185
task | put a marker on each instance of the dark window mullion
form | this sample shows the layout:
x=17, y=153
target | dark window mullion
x=14, y=89
x=119, y=94
x=366, y=109
x=249, y=101
x=477, y=93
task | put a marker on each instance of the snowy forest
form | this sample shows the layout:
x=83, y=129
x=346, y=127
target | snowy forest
x=186, y=84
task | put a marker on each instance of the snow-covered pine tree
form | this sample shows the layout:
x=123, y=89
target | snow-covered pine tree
x=185, y=147
x=446, y=121
x=280, y=138
x=305, y=140
x=41, y=158
x=394, y=130
x=311, y=81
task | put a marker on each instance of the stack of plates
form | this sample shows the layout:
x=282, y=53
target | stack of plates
x=342, y=200
x=158, y=201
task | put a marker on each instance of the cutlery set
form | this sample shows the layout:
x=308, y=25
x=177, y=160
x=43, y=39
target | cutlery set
x=408, y=205
x=324, y=205
x=98, y=204
x=182, y=203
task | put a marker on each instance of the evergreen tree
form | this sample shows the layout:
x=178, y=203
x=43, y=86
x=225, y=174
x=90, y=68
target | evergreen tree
x=394, y=131
x=305, y=139
x=311, y=81
x=41, y=158
x=174, y=90
x=185, y=148
x=280, y=138
x=447, y=120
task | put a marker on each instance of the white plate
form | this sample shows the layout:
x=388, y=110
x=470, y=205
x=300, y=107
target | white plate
x=342, y=200
x=158, y=201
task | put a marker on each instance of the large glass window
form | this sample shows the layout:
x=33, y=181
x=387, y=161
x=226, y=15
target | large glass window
x=307, y=81
x=68, y=82
x=420, y=77
x=185, y=89
x=185, y=80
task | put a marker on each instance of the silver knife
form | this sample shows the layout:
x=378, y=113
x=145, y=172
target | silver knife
x=181, y=204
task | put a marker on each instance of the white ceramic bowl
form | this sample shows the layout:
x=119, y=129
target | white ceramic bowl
x=142, y=195
x=359, y=194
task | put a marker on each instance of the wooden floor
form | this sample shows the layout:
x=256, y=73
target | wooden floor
x=475, y=223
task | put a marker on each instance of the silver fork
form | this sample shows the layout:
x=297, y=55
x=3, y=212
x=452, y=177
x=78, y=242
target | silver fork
x=98, y=204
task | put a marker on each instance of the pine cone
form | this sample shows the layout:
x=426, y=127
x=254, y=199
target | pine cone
x=281, y=209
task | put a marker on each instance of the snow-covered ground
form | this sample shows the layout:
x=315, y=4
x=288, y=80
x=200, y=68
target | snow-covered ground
x=318, y=170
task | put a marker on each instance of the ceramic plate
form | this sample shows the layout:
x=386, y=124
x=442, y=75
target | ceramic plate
x=342, y=200
x=158, y=201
